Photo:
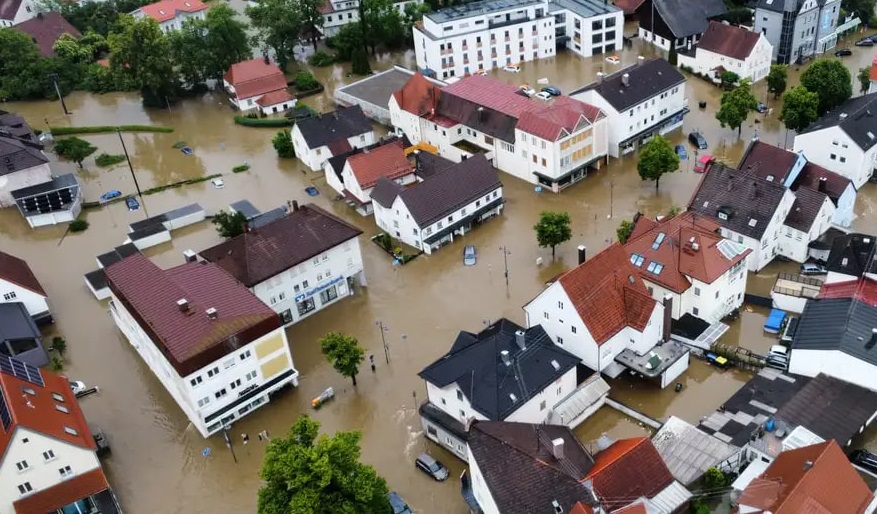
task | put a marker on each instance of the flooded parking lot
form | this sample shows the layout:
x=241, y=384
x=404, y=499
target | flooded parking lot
x=157, y=463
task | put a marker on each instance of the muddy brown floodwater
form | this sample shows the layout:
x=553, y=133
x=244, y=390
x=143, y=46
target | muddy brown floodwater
x=157, y=463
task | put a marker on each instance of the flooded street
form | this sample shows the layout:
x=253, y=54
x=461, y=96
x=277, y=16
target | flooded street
x=157, y=463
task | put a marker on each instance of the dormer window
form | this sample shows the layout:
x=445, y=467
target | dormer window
x=723, y=216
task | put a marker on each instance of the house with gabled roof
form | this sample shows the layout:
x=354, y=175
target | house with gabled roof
x=684, y=256
x=13, y=12
x=258, y=84
x=19, y=284
x=505, y=373
x=602, y=312
x=215, y=347
x=297, y=264
x=45, y=29
x=724, y=47
x=22, y=161
x=430, y=213
x=171, y=14
x=852, y=256
x=48, y=457
x=321, y=137
x=676, y=24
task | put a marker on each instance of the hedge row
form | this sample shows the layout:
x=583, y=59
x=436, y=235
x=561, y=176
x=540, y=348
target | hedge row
x=103, y=129
x=262, y=122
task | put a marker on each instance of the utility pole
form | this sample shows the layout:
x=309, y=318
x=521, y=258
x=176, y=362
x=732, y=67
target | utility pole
x=131, y=168
x=228, y=442
x=54, y=78
x=382, y=328
x=505, y=258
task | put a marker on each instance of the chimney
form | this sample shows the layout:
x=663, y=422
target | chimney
x=600, y=76
x=505, y=357
x=556, y=506
x=625, y=79
x=183, y=304
x=808, y=465
x=822, y=184
x=211, y=313
x=668, y=316
x=266, y=59
x=873, y=341
x=557, y=448
x=640, y=59
x=521, y=339
x=583, y=254
x=294, y=205
x=481, y=114
x=189, y=256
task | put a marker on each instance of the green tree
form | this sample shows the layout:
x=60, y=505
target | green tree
x=624, y=230
x=729, y=79
x=736, y=105
x=359, y=64
x=23, y=71
x=226, y=38
x=777, y=78
x=344, y=353
x=283, y=144
x=229, y=224
x=552, y=229
x=305, y=473
x=864, y=77
x=347, y=40
x=831, y=81
x=864, y=9
x=278, y=26
x=673, y=58
x=714, y=479
x=74, y=149
x=191, y=55
x=311, y=18
x=142, y=51
x=305, y=81
x=656, y=158
x=800, y=108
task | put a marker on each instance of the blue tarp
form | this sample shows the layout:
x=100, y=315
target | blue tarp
x=774, y=321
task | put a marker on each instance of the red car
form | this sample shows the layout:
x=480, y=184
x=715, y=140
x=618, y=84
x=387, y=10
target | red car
x=702, y=163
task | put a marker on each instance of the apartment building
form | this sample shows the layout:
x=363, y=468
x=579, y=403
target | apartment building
x=171, y=14
x=798, y=28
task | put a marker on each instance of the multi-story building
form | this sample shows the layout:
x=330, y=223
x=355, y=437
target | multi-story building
x=676, y=24
x=797, y=29
x=551, y=143
x=215, y=347
x=298, y=264
x=171, y=14
x=257, y=84
x=25, y=164
x=724, y=48
x=463, y=39
x=338, y=13
x=19, y=284
x=639, y=101
x=48, y=457
x=318, y=138
x=430, y=213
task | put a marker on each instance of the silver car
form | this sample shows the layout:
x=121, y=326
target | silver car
x=469, y=255
x=431, y=467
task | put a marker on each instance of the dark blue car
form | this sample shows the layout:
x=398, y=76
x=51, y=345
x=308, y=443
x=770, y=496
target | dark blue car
x=132, y=203
x=109, y=195
x=681, y=152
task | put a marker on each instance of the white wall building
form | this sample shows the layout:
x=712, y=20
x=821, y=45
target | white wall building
x=171, y=14
x=338, y=13
x=231, y=356
x=729, y=48
x=678, y=24
x=639, y=101
x=19, y=284
x=257, y=84
x=298, y=265
x=320, y=137
x=463, y=39
x=13, y=12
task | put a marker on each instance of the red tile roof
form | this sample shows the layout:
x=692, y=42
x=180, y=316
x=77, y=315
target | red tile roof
x=65, y=493
x=608, y=294
x=814, y=479
x=581, y=508
x=275, y=97
x=547, y=120
x=734, y=42
x=190, y=340
x=167, y=9
x=15, y=270
x=677, y=254
x=255, y=77
x=45, y=29
x=38, y=413
x=766, y=161
x=385, y=161
x=418, y=96
x=633, y=508
x=864, y=290
x=629, y=6
x=627, y=470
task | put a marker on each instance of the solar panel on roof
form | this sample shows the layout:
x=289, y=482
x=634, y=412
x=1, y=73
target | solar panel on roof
x=5, y=415
x=21, y=370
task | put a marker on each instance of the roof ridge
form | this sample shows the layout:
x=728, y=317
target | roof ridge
x=806, y=474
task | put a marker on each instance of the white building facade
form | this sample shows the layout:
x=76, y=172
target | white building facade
x=834, y=149
x=17, y=11
x=37, y=304
x=10, y=182
x=315, y=158
x=755, y=65
x=172, y=14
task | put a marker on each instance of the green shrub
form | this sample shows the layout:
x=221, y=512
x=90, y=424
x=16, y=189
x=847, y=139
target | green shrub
x=103, y=129
x=321, y=59
x=59, y=345
x=283, y=144
x=305, y=81
x=78, y=225
x=105, y=160
x=267, y=122
x=57, y=363
x=240, y=169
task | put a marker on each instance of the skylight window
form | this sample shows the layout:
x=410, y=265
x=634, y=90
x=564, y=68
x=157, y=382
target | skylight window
x=57, y=397
x=655, y=267
x=61, y=408
x=753, y=222
x=513, y=397
x=658, y=240
x=637, y=260
x=723, y=216
x=71, y=431
x=706, y=204
x=730, y=249
x=29, y=391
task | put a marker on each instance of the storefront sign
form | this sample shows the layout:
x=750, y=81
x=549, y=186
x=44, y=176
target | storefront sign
x=318, y=289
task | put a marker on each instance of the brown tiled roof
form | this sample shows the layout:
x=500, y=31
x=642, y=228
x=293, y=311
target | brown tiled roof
x=45, y=29
x=805, y=209
x=258, y=255
x=627, y=470
x=813, y=479
x=608, y=294
x=384, y=161
x=339, y=146
x=628, y=6
x=418, y=96
x=9, y=8
x=734, y=42
x=634, y=508
x=275, y=97
x=38, y=413
x=835, y=184
x=538, y=478
x=64, y=493
x=676, y=253
x=15, y=270
x=255, y=77
x=190, y=340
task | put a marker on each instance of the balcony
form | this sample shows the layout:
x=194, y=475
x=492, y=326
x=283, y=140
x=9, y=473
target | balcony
x=447, y=51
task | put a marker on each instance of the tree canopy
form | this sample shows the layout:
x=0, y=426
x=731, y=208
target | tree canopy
x=831, y=81
x=278, y=25
x=656, y=158
x=205, y=49
x=552, y=229
x=624, y=230
x=74, y=149
x=308, y=473
x=864, y=78
x=777, y=78
x=142, y=51
x=736, y=105
x=229, y=224
x=800, y=108
x=344, y=353
x=864, y=9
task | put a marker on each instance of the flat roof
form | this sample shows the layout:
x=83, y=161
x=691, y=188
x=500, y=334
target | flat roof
x=377, y=89
x=458, y=12
x=656, y=361
x=246, y=208
x=56, y=184
x=267, y=217
x=185, y=210
x=97, y=279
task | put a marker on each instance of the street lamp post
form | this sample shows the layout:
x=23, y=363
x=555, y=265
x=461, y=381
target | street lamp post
x=228, y=442
x=382, y=328
x=611, y=184
x=505, y=258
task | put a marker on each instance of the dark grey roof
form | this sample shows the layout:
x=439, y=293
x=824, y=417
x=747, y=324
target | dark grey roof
x=688, y=17
x=97, y=279
x=427, y=165
x=843, y=324
x=16, y=323
x=644, y=81
x=14, y=125
x=450, y=190
x=17, y=154
x=66, y=181
x=143, y=233
x=857, y=117
x=522, y=474
x=781, y=5
x=326, y=128
x=740, y=197
x=444, y=420
x=377, y=89
x=337, y=162
x=246, y=208
x=480, y=118
x=805, y=208
x=493, y=388
x=267, y=217
x=386, y=191
x=826, y=240
x=117, y=254
x=853, y=254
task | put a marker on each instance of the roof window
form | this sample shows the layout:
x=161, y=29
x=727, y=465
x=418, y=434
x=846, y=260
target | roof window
x=637, y=260
x=61, y=408
x=57, y=397
x=658, y=240
x=29, y=391
x=655, y=267
x=70, y=431
x=753, y=222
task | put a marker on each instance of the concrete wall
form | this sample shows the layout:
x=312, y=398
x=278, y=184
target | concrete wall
x=675, y=370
